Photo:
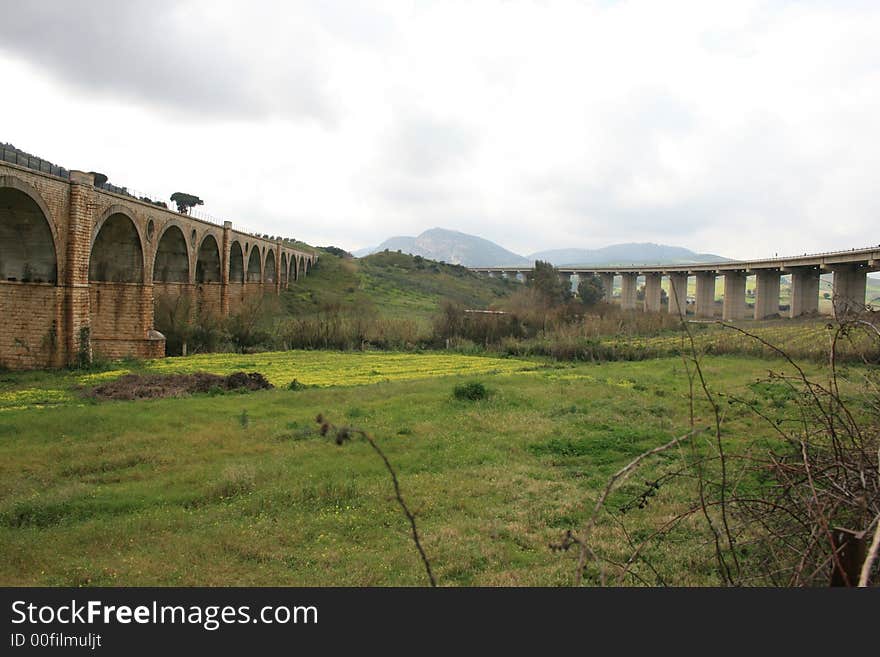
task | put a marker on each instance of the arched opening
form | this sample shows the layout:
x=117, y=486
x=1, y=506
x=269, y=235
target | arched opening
x=302, y=268
x=236, y=263
x=283, y=270
x=271, y=270
x=27, y=249
x=308, y=266
x=208, y=262
x=254, y=270
x=117, y=256
x=172, y=258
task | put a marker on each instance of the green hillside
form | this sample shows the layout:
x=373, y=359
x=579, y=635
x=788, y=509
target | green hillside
x=394, y=285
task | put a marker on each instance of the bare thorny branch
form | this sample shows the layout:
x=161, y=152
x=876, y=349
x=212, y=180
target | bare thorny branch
x=344, y=434
x=792, y=524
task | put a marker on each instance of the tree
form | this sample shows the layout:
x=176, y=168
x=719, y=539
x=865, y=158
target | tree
x=545, y=279
x=185, y=201
x=590, y=290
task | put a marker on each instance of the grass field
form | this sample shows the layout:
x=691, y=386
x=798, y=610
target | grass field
x=801, y=338
x=240, y=489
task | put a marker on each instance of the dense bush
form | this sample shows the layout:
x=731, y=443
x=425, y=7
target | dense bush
x=472, y=391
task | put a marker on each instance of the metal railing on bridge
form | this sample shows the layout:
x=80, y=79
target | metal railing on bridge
x=12, y=155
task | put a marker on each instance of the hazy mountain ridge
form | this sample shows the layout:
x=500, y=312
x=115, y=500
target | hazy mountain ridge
x=471, y=251
x=453, y=247
x=630, y=253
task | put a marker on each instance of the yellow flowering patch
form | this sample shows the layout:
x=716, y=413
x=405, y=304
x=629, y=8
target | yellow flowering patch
x=100, y=377
x=318, y=368
x=33, y=397
x=323, y=368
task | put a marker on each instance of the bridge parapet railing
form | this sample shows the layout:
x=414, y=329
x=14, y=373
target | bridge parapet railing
x=12, y=155
x=20, y=158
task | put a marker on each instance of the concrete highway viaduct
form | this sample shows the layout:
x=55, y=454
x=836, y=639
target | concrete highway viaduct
x=849, y=270
x=81, y=266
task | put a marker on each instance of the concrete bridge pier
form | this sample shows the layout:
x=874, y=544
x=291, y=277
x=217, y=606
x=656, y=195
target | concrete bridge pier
x=628, y=291
x=705, y=296
x=804, y=291
x=678, y=293
x=767, y=293
x=734, y=296
x=607, y=279
x=849, y=288
x=565, y=278
x=653, y=292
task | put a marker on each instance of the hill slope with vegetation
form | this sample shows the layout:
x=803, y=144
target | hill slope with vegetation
x=392, y=285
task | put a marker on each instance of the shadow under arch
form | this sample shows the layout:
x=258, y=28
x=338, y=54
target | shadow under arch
x=117, y=254
x=171, y=264
x=271, y=269
x=28, y=244
x=208, y=268
x=236, y=263
x=254, y=268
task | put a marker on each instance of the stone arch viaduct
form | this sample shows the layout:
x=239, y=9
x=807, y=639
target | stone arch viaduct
x=848, y=268
x=80, y=268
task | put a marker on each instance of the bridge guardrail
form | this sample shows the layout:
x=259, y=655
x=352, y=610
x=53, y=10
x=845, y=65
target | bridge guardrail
x=22, y=159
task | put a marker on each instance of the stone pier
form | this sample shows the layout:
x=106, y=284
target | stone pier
x=767, y=293
x=734, y=296
x=607, y=279
x=653, y=292
x=804, y=291
x=848, y=295
x=678, y=293
x=628, y=291
x=705, y=295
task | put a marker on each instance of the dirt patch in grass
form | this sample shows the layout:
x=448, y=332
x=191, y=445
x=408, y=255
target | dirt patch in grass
x=153, y=386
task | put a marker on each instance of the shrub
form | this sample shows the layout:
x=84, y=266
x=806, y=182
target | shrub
x=472, y=391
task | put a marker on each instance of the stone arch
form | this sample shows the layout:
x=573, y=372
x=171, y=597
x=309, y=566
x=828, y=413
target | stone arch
x=302, y=267
x=254, y=268
x=236, y=263
x=284, y=268
x=28, y=244
x=208, y=268
x=117, y=254
x=171, y=264
x=271, y=269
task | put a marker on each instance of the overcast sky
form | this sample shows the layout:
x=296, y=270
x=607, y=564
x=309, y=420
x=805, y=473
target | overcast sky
x=738, y=128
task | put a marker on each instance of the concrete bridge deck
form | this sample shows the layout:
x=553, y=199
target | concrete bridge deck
x=81, y=268
x=848, y=268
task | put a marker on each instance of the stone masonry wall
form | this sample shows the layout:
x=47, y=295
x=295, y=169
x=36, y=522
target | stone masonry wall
x=41, y=324
x=31, y=325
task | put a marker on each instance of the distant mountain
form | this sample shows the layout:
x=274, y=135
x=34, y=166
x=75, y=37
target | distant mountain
x=471, y=251
x=644, y=253
x=452, y=247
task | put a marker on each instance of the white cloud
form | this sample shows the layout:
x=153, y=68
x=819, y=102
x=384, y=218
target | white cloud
x=735, y=128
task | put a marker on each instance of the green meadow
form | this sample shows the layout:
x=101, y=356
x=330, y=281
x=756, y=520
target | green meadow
x=241, y=488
